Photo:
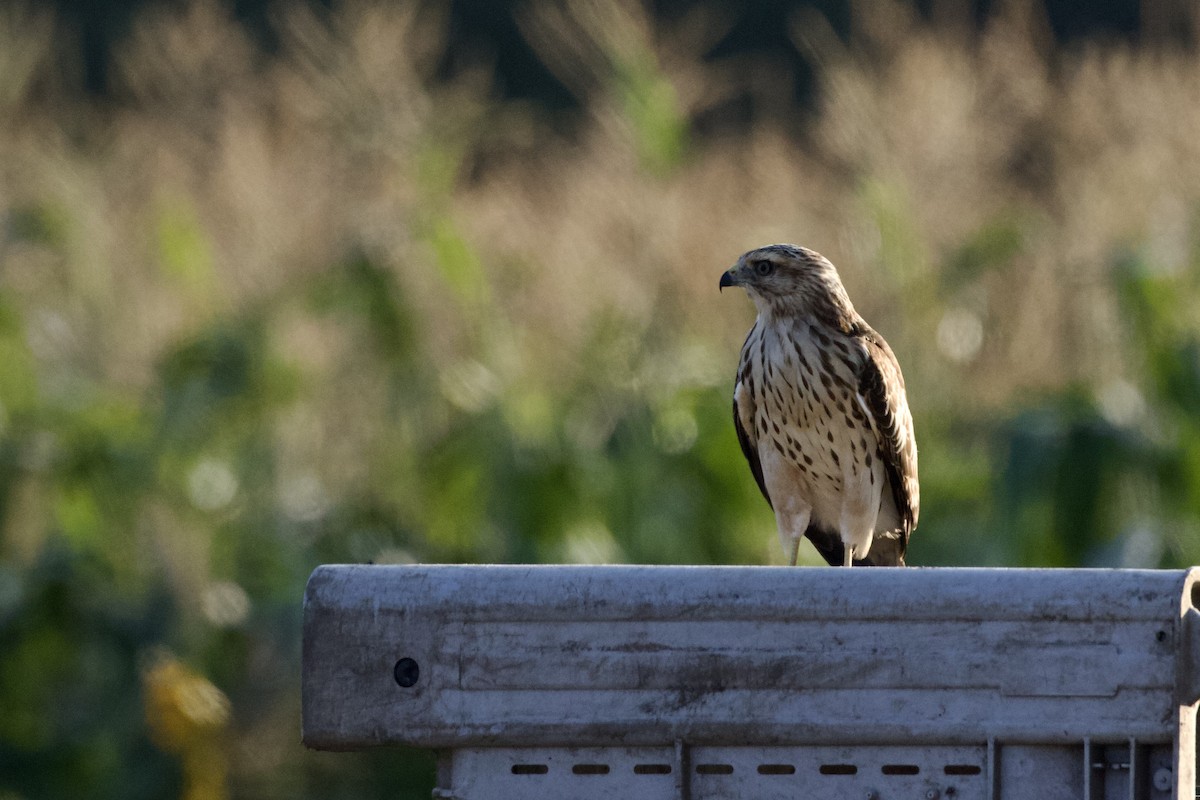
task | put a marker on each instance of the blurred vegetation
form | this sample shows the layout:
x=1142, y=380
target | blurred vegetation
x=328, y=303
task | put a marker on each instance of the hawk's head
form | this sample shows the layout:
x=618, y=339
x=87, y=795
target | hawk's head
x=787, y=278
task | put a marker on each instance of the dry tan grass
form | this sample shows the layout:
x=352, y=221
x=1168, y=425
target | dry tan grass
x=925, y=136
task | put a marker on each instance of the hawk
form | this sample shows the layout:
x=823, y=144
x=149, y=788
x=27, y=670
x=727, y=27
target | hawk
x=821, y=413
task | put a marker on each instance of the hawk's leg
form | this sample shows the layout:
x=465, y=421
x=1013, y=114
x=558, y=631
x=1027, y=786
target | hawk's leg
x=793, y=552
x=792, y=512
x=848, y=558
x=792, y=524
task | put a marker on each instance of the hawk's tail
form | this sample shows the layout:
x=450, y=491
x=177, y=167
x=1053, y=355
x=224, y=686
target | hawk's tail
x=887, y=550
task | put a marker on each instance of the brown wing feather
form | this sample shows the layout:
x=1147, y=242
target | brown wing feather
x=750, y=451
x=882, y=387
x=743, y=408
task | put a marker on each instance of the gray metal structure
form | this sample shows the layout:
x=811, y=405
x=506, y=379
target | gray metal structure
x=697, y=683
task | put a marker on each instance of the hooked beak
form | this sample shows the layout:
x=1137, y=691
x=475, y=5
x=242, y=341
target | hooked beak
x=728, y=278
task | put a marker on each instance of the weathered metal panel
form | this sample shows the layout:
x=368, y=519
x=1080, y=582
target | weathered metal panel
x=582, y=773
x=770, y=773
x=1023, y=772
x=646, y=655
x=710, y=683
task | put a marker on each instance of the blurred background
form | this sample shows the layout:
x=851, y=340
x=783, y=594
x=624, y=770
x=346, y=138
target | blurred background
x=285, y=283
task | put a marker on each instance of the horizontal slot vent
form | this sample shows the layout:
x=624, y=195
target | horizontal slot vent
x=590, y=769
x=962, y=769
x=776, y=769
x=530, y=769
x=651, y=769
x=901, y=769
x=839, y=769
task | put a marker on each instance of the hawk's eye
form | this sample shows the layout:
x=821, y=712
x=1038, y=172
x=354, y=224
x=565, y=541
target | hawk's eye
x=764, y=267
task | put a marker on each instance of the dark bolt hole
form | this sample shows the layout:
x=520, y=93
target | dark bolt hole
x=406, y=672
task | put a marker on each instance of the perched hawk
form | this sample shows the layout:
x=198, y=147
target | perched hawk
x=821, y=414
